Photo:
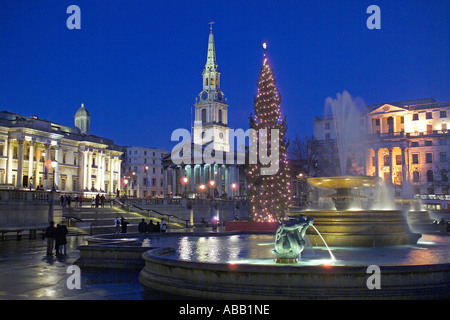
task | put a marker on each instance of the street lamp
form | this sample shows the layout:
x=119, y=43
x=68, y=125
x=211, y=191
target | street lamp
x=234, y=187
x=54, y=165
x=202, y=188
x=184, y=181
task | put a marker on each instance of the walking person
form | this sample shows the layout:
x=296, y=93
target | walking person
x=117, y=223
x=49, y=236
x=61, y=239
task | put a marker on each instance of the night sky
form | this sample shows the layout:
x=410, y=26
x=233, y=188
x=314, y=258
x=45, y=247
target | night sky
x=137, y=64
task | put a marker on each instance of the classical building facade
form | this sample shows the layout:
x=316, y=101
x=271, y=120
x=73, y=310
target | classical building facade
x=142, y=172
x=40, y=153
x=406, y=143
x=222, y=177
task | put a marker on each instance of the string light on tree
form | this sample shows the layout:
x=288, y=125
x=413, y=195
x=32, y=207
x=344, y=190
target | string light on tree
x=268, y=195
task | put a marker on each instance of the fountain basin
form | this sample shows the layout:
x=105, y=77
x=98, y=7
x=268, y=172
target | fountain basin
x=407, y=272
x=359, y=228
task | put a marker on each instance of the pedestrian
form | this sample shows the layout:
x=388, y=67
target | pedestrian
x=142, y=226
x=49, y=237
x=163, y=226
x=151, y=226
x=117, y=223
x=93, y=202
x=124, y=225
x=61, y=239
x=102, y=200
x=157, y=227
x=97, y=200
x=80, y=200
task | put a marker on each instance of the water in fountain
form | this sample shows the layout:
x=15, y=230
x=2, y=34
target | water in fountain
x=326, y=245
x=347, y=122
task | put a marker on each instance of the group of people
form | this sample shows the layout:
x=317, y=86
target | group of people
x=98, y=200
x=56, y=238
x=66, y=200
x=145, y=227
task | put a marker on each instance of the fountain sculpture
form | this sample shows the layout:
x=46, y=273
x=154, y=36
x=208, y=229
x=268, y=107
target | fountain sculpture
x=289, y=242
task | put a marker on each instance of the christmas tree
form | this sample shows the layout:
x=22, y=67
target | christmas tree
x=268, y=194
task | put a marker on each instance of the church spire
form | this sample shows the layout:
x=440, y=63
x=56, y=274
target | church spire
x=211, y=57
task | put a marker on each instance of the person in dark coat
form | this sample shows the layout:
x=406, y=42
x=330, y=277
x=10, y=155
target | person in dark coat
x=61, y=239
x=142, y=227
x=49, y=236
x=124, y=225
x=151, y=226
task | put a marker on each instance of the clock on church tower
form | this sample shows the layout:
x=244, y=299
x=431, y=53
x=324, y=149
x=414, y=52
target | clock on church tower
x=211, y=110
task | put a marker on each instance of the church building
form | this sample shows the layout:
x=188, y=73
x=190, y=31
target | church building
x=210, y=133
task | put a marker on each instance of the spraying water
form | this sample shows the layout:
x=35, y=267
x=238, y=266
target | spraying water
x=331, y=254
x=347, y=123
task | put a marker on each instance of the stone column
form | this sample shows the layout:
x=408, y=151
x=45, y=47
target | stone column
x=391, y=161
x=82, y=166
x=46, y=170
x=174, y=181
x=89, y=175
x=164, y=182
x=19, y=164
x=219, y=182
x=56, y=169
x=377, y=170
x=30, y=166
x=9, y=163
x=202, y=174
x=111, y=175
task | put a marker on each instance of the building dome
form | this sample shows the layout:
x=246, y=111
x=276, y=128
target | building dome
x=83, y=120
x=82, y=112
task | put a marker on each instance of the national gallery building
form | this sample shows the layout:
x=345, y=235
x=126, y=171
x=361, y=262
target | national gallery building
x=37, y=153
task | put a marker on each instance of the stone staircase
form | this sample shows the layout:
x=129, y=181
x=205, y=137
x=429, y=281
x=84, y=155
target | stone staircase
x=87, y=220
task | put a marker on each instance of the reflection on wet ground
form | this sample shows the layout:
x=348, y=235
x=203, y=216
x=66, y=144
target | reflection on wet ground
x=27, y=273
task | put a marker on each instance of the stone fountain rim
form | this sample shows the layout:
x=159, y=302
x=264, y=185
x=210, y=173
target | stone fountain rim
x=344, y=182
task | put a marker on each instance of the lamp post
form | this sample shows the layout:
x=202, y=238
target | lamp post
x=234, y=187
x=54, y=164
x=202, y=188
x=212, y=184
x=184, y=181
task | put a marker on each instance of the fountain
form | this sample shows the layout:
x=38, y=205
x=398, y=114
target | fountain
x=245, y=265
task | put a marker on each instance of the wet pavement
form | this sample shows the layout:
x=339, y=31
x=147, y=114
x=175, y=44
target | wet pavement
x=26, y=273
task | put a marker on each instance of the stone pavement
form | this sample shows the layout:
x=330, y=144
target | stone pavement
x=27, y=273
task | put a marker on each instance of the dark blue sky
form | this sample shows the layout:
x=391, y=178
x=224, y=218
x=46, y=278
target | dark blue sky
x=137, y=64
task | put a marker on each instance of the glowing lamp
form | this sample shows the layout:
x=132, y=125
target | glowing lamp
x=233, y=186
x=184, y=180
x=201, y=188
x=212, y=183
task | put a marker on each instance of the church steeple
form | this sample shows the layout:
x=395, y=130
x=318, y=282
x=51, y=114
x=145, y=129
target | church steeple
x=211, y=109
x=211, y=57
x=211, y=73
